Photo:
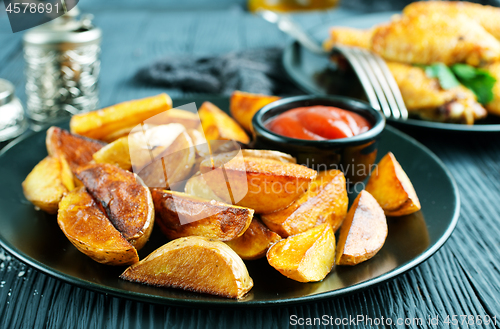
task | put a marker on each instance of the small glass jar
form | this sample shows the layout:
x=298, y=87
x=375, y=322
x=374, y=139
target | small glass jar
x=12, y=119
x=62, y=67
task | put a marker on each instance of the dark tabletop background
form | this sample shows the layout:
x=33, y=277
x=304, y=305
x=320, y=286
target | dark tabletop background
x=462, y=278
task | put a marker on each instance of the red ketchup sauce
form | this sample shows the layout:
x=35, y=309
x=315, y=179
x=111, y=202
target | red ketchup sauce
x=318, y=123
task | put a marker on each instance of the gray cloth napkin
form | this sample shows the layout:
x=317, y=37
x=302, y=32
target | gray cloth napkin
x=255, y=71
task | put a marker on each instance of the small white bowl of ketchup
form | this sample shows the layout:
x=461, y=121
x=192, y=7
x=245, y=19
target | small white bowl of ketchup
x=322, y=132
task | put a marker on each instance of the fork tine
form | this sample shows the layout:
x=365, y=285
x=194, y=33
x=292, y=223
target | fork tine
x=374, y=81
x=396, y=92
x=363, y=78
x=388, y=92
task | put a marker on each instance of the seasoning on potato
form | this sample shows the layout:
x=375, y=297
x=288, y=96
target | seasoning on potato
x=196, y=264
x=363, y=232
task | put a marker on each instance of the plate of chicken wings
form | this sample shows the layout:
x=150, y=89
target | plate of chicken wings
x=444, y=56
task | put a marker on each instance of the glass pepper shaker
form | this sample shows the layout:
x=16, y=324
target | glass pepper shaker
x=62, y=67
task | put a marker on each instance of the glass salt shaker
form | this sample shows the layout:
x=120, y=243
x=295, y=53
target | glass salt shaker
x=62, y=67
x=12, y=119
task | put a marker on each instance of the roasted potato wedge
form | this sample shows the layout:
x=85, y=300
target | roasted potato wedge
x=325, y=201
x=264, y=185
x=171, y=166
x=305, y=257
x=126, y=201
x=392, y=188
x=254, y=243
x=102, y=123
x=243, y=106
x=77, y=150
x=116, y=153
x=218, y=125
x=196, y=264
x=124, y=132
x=180, y=215
x=363, y=232
x=196, y=186
x=48, y=182
x=91, y=232
x=269, y=154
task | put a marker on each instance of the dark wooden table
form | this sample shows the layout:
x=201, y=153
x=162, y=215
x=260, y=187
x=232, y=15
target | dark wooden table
x=463, y=278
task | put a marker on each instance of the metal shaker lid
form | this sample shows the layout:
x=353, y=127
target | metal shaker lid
x=64, y=29
x=6, y=92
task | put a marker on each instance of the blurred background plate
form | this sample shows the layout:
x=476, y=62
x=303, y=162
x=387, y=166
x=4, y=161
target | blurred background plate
x=315, y=74
x=35, y=238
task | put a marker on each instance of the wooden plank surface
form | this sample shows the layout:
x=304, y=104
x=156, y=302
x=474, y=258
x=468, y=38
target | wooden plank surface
x=462, y=278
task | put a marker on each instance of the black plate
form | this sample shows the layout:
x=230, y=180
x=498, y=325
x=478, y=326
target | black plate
x=35, y=238
x=316, y=75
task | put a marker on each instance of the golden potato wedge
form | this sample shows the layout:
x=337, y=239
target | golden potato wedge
x=48, y=182
x=91, y=232
x=171, y=166
x=392, y=188
x=363, y=232
x=127, y=202
x=255, y=242
x=325, y=201
x=196, y=186
x=116, y=153
x=305, y=257
x=180, y=215
x=196, y=264
x=269, y=154
x=124, y=132
x=146, y=145
x=218, y=125
x=243, y=106
x=77, y=150
x=102, y=123
x=265, y=185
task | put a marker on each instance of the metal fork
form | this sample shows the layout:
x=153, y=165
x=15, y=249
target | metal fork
x=380, y=87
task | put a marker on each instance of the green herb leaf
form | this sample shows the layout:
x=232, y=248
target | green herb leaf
x=478, y=80
x=446, y=78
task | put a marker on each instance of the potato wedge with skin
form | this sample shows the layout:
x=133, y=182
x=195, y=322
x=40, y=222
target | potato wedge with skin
x=47, y=183
x=77, y=150
x=171, y=166
x=124, y=132
x=255, y=242
x=392, y=188
x=116, y=153
x=305, y=257
x=102, y=123
x=264, y=185
x=196, y=264
x=243, y=106
x=363, y=232
x=196, y=186
x=325, y=201
x=91, y=232
x=180, y=215
x=218, y=125
x=127, y=203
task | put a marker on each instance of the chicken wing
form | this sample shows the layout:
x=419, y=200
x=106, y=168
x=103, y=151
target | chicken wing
x=423, y=96
x=487, y=16
x=435, y=37
x=494, y=106
x=349, y=37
